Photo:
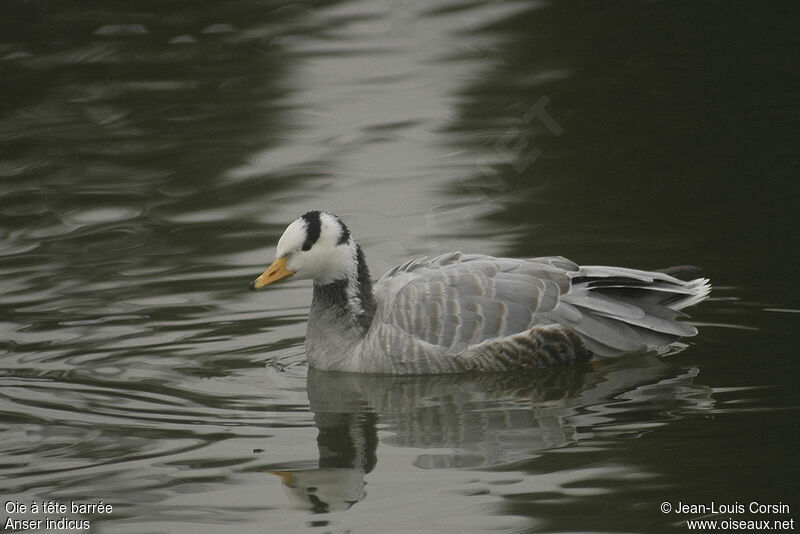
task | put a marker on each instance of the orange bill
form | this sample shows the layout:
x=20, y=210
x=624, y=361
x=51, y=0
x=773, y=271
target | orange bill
x=274, y=272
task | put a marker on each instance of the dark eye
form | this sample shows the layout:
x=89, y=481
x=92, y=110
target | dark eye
x=307, y=245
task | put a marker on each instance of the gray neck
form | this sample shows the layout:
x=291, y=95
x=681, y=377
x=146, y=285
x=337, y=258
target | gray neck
x=341, y=313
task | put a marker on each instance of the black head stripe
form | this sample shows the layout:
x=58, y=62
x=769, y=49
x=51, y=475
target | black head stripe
x=345, y=237
x=313, y=228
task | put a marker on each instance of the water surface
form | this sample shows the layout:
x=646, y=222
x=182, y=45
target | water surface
x=151, y=157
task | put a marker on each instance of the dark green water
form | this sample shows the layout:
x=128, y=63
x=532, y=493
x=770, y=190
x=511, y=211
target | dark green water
x=152, y=154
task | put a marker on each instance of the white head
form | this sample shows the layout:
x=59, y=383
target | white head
x=315, y=246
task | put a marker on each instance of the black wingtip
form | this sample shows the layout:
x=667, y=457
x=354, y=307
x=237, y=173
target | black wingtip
x=677, y=270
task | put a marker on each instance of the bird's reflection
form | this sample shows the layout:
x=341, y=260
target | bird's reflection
x=347, y=443
x=473, y=421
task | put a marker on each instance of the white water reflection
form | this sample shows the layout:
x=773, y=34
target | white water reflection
x=370, y=103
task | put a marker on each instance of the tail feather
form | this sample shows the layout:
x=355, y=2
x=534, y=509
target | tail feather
x=701, y=289
x=627, y=309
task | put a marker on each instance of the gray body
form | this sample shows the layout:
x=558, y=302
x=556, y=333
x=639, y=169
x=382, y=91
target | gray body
x=459, y=312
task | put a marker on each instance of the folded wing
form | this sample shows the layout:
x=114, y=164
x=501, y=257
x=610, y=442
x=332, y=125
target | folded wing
x=457, y=301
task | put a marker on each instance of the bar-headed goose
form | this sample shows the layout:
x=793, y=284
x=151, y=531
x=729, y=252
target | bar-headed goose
x=470, y=312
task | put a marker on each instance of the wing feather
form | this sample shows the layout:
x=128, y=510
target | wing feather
x=525, y=292
x=458, y=300
x=453, y=302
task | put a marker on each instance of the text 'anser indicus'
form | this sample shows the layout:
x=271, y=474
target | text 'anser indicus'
x=470, y=312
